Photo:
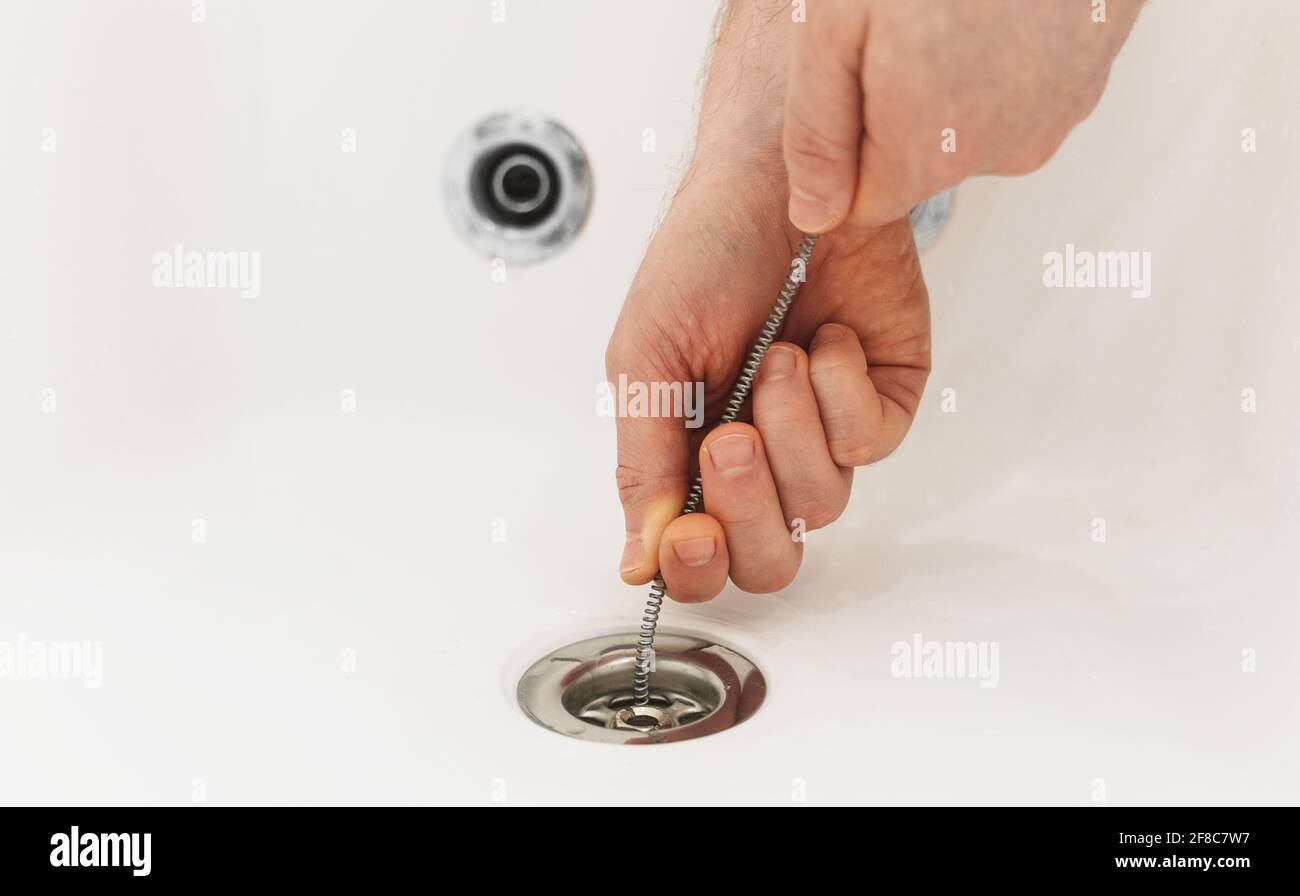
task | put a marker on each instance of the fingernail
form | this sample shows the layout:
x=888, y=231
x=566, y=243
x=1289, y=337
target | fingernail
x=829, y=333
x=633, y=552
x=780, y=362
x=695, y=551
x=731, y=454
x=809, y=213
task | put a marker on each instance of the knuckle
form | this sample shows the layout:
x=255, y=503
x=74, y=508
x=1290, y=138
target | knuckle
x=805, y=142
x=946, y=170
x=691, y=593
x=634, y=484
x=852, y=451
x=616, y=352
x=818, y=513
x=628, y=478
x=1032, y=156
x=767, y=580
x=1088, y=92
x=737, y=514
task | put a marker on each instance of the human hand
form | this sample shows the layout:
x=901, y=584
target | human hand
x=706, y=285
x=891, y=102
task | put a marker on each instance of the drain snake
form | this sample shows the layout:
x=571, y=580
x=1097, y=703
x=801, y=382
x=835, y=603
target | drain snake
x=739, y=393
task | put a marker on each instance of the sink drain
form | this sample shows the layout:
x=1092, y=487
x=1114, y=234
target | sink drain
x=698, y=688
x=517, y=187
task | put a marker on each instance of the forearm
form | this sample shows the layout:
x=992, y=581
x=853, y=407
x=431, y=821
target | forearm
x=742, y=104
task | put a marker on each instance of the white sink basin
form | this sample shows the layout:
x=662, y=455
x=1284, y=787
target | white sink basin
x=370, y=584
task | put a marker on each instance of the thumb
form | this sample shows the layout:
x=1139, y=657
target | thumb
x=823, y=115
x=653, y=471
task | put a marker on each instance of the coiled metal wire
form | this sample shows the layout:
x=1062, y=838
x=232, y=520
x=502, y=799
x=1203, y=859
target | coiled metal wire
x=739, y=393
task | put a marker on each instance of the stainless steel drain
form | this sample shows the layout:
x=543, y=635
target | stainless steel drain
x=584, y=690
x=517, y=187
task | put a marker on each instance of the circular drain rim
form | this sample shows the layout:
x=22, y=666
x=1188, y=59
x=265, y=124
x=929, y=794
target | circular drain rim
x=740, y=689
x=518, y=243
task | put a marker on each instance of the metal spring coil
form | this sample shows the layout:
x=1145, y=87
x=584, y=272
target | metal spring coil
x=739, y=393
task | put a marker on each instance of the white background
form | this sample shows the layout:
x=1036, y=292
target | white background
x=370, y=532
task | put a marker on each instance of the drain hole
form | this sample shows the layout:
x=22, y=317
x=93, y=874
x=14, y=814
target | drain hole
x=524, y=183
x=698, y=688
x=516, y=185
x=682, y=690
x=637, y=721
x=658, y=700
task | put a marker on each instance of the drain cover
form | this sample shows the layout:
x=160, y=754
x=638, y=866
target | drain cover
x=698, y=688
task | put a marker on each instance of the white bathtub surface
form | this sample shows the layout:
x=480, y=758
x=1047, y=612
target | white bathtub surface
x=351, y=631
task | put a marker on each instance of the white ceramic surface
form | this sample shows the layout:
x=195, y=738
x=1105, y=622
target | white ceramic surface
x=225, y=670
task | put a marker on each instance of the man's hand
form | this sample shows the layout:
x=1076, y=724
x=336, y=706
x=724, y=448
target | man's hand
x=839, y=392
x=890, y=102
